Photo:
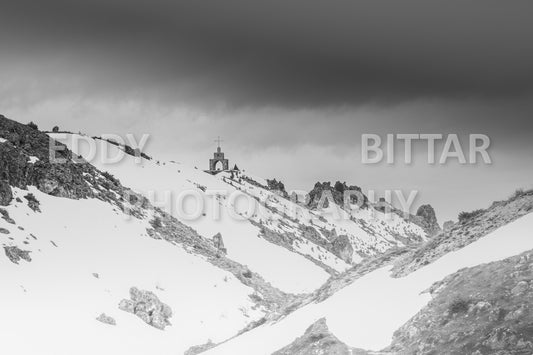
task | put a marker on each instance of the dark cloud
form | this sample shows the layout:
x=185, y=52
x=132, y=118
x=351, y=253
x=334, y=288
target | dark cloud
x=302, y=53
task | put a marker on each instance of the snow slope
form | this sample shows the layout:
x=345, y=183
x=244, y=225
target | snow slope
x=163, y=184
x=49, y=305
x=366, y=313
x=299, y=265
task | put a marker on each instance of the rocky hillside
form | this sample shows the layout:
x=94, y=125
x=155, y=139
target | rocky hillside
x=471, y=298
x=469, y=229
x=480, y=310
x=83, y=253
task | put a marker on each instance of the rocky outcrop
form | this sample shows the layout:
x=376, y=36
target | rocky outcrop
x=446, y=226
x=342, y=247
x=481, y=310
x=6, y=217
x=318, y=340
x=278, y=187
x=6, y=195
x=56, y=171
x=427, y=219
x=33, y=203
x=219, y=243
x=15, y=254
x=325, y=192
x=147, y=306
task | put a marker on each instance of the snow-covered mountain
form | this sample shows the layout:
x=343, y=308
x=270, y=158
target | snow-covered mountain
x=274, y=234
x=142, y=256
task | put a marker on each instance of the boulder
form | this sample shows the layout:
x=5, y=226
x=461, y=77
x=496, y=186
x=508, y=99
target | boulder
x=147, y=306
x=15, y=254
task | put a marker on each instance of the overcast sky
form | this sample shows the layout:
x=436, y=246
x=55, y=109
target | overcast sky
x=289, y=85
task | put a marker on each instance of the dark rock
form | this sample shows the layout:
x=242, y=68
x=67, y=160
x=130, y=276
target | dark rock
x=55, y=173
x=428, y=220
x=325, y=192
x=6, y=195
x=33, y=203
x=6, y=217
x=15, y=254
x=278, y=187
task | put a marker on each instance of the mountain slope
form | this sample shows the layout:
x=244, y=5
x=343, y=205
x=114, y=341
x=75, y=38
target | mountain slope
x=366, y=313
x=481, y=310
x=315, y=245
x=78, y=246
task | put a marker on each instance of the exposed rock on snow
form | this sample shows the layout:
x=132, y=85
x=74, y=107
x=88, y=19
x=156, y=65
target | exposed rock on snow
x=198, y=349
x=342, y=247
x=6, y=217
x=318, y=340
x=277, y=187
x=320, y=191
x=15, y=254
x=104, y=318
x=33, y=203
x=219, y=243
x=147, y=306
x=175, y=232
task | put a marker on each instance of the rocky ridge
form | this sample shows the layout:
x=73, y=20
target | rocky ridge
x=468, y=231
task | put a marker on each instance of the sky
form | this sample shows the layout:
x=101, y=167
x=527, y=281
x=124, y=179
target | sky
x=290, y=86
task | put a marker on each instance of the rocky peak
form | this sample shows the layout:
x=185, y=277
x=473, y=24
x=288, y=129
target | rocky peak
x=428, y=219
x=278, y=187
x=336, y=192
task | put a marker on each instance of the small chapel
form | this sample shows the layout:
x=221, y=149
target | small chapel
x=218, y=163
